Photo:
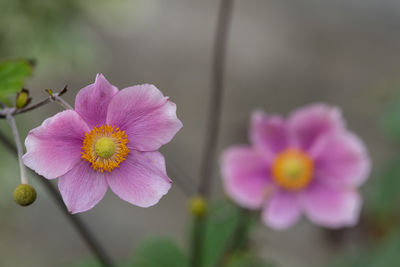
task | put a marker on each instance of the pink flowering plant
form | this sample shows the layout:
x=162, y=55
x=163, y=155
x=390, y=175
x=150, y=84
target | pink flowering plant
x=111, y=140
x=306, y=164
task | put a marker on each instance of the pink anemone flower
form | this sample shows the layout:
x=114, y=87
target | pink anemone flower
x=309, y=163
x=110, y=140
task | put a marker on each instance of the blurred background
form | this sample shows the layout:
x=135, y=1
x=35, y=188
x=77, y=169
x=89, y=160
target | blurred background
x=282, y=54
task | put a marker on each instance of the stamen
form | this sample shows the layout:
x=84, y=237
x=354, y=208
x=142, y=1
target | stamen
x=105, y=147
x=293, y=169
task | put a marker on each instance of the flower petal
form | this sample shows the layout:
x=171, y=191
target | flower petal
x=282, y=211
x=331, y=207
x=246, y=176
x=54, y=147
x=92, y=101
x=141, y=179
x=82, y=187
x=146, y=115
x=307, y=124
x=341, y=159
x=268, y=132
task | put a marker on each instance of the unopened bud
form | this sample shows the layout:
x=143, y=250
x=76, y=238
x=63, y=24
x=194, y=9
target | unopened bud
x=49, y=91
x=198, y=206
x=24, y=194
x=23, y=99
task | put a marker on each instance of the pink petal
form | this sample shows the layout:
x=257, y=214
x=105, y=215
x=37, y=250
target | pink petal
x=341, y=159
x=268, y=132
x=307, y=124
x=146, y=115
x=282, y=211
x=141, y=179
x=82, y=187
x=331, y=207
x=246, y=176
x=54, y=147
x=92, y=101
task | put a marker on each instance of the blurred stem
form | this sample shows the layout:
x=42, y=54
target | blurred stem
x=213, y=125
x=214, y=114
x=20, y=152
x=76, y=222
x=240, y=236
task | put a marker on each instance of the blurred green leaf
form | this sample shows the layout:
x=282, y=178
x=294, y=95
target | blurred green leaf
x=219, y=228
x=384, y=198
x=391, y=119
x=13, y=74
x=159, y=252
x=384, y=254
x=221, y=223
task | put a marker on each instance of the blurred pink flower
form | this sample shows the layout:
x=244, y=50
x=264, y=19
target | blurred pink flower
x=110, y=140
x=309, y=163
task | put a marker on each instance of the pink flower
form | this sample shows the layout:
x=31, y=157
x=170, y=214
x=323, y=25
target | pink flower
x=309, y=163
x=110, y=140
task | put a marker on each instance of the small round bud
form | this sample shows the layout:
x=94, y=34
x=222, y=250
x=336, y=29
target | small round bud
x=24, y=194
x=23, y=99
x=198, y=206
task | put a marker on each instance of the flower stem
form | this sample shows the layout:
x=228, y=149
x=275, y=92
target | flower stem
x=61, y=101
x=214, y=115
x=213, y=125
x=75, y=220
x=6, y=110
x=20, y=152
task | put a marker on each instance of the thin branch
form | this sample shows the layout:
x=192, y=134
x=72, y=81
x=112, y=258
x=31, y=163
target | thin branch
x=3, y=112
x=55, y=97
x=217, y=84
x=20, y=151
x=75, y=220
x=213, y=125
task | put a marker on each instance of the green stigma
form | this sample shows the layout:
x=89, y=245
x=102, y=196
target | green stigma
x=105, y=147
x=293, y=168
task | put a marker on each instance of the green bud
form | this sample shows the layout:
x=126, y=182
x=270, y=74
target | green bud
x=24, y=194
x=198, y=206
x=23, y=99
x=49, y=91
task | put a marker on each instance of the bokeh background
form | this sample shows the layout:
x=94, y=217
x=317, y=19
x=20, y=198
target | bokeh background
x=282, y=54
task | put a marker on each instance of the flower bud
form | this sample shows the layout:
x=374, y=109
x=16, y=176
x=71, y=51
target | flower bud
x=24, y=194
x=198, y=206
x=23, y=99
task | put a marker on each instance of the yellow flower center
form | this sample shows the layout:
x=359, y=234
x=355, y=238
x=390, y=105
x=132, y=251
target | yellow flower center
x=105, y=147
x=292, y=169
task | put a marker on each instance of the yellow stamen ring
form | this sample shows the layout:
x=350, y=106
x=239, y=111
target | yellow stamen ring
x=105, y=147
x=292, y=169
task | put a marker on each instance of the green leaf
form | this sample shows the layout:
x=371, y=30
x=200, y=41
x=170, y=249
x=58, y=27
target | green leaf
x=221, y=223
x=383, y=198
x=390, y=121
x=159, y=252
x=13, y=74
